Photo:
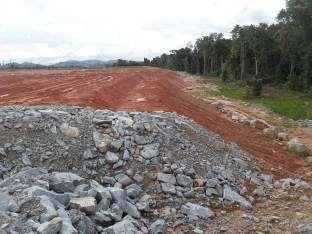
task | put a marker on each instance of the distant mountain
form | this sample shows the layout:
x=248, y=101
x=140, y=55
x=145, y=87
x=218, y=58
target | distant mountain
x=84, y=63
x=14, y=65
x=71, y=63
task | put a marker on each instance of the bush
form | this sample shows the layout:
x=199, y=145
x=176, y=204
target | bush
x=255, y=87
x=295, y=82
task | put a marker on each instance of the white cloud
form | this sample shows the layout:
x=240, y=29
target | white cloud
x=52, y=30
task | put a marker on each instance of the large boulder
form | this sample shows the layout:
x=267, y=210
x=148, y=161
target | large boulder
x=126, y=226
x=231, y=195
x=166, y=178
x=297, y=147
x=196, y=210
x=50, y=227
x=69, y=131
x=63, y=182
x=84, y=204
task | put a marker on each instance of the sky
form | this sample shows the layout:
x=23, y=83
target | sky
x=48, y=31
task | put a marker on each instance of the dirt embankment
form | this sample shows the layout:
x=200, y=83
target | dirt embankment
x=141, y=89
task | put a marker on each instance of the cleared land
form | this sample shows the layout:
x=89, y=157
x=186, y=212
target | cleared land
x=140, y=89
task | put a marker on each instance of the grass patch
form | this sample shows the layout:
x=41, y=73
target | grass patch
x=287, y=103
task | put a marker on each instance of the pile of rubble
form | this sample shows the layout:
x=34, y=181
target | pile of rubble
x=75, y=170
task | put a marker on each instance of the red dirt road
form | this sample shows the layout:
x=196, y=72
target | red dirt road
x=141, y=89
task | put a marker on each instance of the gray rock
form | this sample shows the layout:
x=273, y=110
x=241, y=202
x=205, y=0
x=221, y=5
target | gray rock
x=101, y=141
x=305, y=228
x=211, y=191
x=158, y=227
x=51, y=227
x=184, y=181
x=111, y=157
x=230, y=195
x=168, y=188
x=123, y=179
x=295, y=146
x=195, y=210
x=150, y=151
x=87, y=154
x=126, y=226
x=2, y=152
x=4, y=201
x=62, y=182
x=166, y=178
x=108, y=180
x=84, y=204
x=68, y=131
x=115, y=145
x=67, y=226
x=142, y=140
x=55, y=198
x=133, y=191
x=49, y=212
x=138, y=178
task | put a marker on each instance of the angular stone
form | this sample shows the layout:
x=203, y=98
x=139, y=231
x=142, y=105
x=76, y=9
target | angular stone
x=51, y=227
x=133, y=191
x=4, y=201
x=126, y=226
x=166, y=178
x=123, y=179
x=297, y=147
x=192, y=209
x=87, y=154
x=168, y=188
x=115, y=145
x=68, y=131
x=158, y=227
x=230, y=195
x=111, y=157
x=150, y=151
x=49, y=212
x=101, y=141
x=62, y=182
x=184, y=181
x=84, y=204
x=67, y=227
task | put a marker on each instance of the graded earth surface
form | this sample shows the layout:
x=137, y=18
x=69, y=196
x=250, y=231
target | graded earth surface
x=129, y=150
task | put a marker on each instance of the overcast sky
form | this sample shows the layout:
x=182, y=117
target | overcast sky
x=47, y=31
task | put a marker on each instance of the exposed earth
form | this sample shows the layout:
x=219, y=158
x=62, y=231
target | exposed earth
x=69, y=169
x=138, y=89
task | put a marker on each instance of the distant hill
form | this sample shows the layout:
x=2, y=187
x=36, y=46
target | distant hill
x=72, y=63
x=84, y=63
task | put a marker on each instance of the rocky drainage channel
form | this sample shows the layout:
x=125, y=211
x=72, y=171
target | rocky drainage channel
x=75, y=170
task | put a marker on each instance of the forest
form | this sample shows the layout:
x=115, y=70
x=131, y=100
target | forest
x=278, y=54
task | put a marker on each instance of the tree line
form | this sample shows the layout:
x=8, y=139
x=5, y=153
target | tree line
x=279, y=53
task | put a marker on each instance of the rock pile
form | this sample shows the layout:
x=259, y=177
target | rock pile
x=75, y=170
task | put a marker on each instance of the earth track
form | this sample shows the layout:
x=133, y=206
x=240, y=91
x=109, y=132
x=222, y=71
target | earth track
x=139, y=89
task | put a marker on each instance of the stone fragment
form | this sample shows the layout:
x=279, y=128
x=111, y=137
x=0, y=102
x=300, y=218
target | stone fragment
x=68, y=131
x=102, y=141
x=158, y=227
x=50, y=227
x=166, y=178
x=168, y=188
x=62, y=182
x=126, y=226
x=297, y=147
x=84, y=204
x=184, y=181
x=111, y=157
x=150, y=151
x=192, y=209
x=230, y=195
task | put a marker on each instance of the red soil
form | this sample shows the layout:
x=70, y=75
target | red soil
x=141, y=89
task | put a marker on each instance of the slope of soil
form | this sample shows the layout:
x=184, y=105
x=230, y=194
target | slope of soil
x=141, y=89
